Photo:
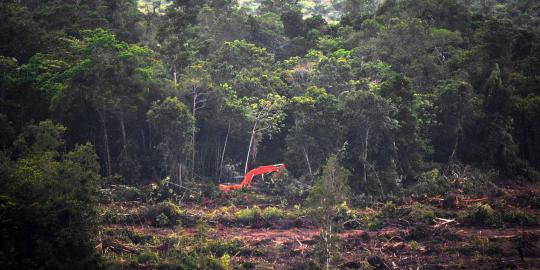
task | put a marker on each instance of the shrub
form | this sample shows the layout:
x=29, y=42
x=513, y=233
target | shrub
x=479, y=214
x=248, y=214
x=225, y=262
x=287, y=187
x=111, y=215
x=148, y=258
x=48, y=211
x=138, y=238
x=219, y=247
x=119, y=193
x=414, y=245
x=390, y=210
x=126, y=193
x=431, y=183
x=164, y=214
x=372, y=221
x=273, y=213
x=345, y=217
x=421, y=213
x=519, y=217
x=471, y=180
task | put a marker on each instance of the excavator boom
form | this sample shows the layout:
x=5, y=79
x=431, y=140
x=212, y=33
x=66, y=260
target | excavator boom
x=249, y=177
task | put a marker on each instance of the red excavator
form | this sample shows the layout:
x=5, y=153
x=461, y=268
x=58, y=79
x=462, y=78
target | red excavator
x=249, y=176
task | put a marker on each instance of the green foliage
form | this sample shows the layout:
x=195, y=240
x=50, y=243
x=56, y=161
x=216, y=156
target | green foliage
x=148, y=258
x=440, y=96
x=313, y=136
x=120, y=193
x=177, y=252
x=431, y=183
x=326, y=250
x=480, y=214
x=234, y=56
x=345, y=216
x=48, y=203
x=270, y=213
x=520, y=217
x=248, y=215
x=371, y=221
x=165, y=190
x=172, y=120
x=421, y=213
x=329, y=191
x=368, y=136
x=163, y=214
x=41, y=138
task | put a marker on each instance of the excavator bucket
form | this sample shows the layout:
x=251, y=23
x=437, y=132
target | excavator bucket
x=246, y=182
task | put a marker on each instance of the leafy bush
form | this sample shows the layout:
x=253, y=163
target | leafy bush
x=164, y=214
x=344, y=214
x=119, y=193
x=273, y=213
x=111, y=215
x=163, y=191
x=471, y=180
x=126, y=193
x=421, y=213
x=148, y=258
x=288, y=188
x=519, y=217
x=431, y=183
x=219, y=247
x=371, y=221
x=48, y=210
x=390, y=210
x=248, y=214
x=479, y=214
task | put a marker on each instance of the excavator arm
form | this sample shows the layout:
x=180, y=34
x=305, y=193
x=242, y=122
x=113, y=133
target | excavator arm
x=249, y=177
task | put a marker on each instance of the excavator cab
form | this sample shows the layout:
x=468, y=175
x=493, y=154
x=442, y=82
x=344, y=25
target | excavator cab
x=246, y=182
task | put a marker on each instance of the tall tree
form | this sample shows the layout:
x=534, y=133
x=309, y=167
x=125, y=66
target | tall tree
x=171, y=119
x=369, y=126
x=266, y=116
x=114, y=77
x=315, y=133
x=197, y=82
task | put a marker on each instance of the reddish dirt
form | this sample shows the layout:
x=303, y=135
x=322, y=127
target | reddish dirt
x=397, y=245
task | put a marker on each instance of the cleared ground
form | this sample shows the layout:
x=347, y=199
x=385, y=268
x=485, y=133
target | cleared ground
x=500, y=232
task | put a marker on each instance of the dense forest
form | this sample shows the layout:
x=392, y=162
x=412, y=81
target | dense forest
x=121, y=115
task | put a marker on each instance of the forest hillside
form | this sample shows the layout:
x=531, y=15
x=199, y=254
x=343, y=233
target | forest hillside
x=397, y=134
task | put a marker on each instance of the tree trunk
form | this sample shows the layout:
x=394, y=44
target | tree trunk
x=179, y=171
x=103, y=119
x=193, y=133
x=249, y=147
x=365, y=154
x=308, y=163
x=453, y=154
x=143, y=141
x=124, y=140
x=223, y=152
